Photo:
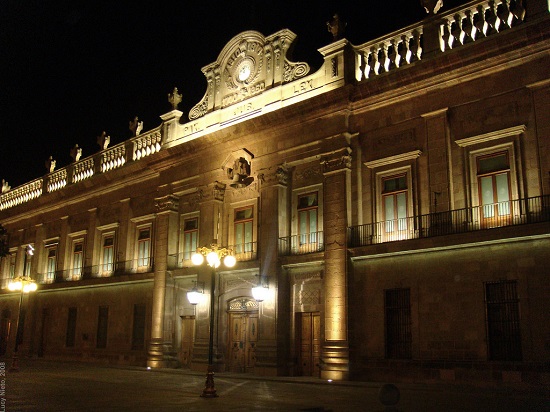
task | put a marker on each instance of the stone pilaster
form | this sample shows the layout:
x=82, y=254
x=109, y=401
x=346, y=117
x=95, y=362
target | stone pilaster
x=334, y=363
x=160, y=352
x=272, y=349
x=439, y=197
x=91, y=242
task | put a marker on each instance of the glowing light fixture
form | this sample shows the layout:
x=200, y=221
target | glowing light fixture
x=195, y=296
x=260, y=292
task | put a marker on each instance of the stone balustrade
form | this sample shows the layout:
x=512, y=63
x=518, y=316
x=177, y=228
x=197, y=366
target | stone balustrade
x=57, y=180
x=113, y=158
x=83, y=169
x=383, y=55
x=478, y=20
x=147, y=144
x=466, y=24
x=21, y=194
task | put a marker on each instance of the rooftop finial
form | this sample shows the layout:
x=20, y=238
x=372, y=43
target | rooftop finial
x=174, y=98
x=336, y=27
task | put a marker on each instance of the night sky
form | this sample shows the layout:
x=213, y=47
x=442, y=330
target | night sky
x=69, y=70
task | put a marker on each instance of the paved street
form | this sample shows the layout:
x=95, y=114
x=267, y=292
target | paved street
x=55, y=386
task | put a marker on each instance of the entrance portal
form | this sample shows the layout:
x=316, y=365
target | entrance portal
x=243, y=335
x=308, y=335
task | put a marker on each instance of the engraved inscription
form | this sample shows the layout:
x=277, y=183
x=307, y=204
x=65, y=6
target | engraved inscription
x=303, y=86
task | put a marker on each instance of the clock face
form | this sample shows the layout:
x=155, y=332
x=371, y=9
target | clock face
x=244, y=70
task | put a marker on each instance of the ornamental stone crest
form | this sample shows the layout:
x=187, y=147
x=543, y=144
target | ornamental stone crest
x=247, y=66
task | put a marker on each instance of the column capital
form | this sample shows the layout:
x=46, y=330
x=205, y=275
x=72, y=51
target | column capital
x=279, y=176
x=336, y=161
x=168, y=203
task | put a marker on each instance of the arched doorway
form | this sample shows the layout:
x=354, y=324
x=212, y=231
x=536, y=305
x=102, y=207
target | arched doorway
x=242, y=334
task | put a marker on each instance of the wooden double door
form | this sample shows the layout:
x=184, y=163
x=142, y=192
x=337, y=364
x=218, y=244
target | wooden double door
x=243, y=337
x=308, y=346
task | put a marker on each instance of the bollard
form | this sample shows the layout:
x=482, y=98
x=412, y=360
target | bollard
x=389, y=396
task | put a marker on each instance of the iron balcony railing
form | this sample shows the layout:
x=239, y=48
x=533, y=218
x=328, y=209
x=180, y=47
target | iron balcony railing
x=97, y=271
x=509, y=213
x=301, y=244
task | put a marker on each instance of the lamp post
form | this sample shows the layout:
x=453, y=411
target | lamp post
x=24, y=284
x=214, y=256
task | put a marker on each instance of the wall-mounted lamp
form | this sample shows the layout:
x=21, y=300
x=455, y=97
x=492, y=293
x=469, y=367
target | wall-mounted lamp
x=195, y=295
x=260, y=291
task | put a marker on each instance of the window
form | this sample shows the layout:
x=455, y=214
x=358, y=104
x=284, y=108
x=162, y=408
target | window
x=394, y=203
x=71, y=328
x=144, y=248
x=27, y=260
x=138, y=330
x=503, y=329
x=102, y=324
x=12, y=265
x=493, y=174
x=243, y=230
x=308, y=208
x=496, y=170
x=190, y=237
x=78, y=259
x=397, y=305
x=107, y=254
x=51, y=263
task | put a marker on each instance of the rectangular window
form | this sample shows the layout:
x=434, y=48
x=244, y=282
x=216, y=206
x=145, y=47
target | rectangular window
x=493, y=172
x=71, y=328
x=397, y=305
x=138, y=330
x=51, y=264
x=102, y=325
x=394, y=198
x=190, y=237
x=78, y=258
x=12, y=266
x=107, y=255
x=308, y=208
x=27, y=260
x=503, y=329
x=244, y=222
x=144, y=248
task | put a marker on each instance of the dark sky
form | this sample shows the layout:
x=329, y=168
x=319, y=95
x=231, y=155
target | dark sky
x=71, y=69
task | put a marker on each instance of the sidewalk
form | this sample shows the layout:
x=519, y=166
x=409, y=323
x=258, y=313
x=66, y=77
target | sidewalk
x=42, y=385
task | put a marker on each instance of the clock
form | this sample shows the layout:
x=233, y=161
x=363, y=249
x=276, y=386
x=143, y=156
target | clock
x=244, y=70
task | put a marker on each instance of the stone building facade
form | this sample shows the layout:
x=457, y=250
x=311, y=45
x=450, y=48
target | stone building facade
x=396, y=202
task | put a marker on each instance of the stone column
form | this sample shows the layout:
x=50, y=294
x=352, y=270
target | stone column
x=334, y=363
x=166, y=222
x=274, y=319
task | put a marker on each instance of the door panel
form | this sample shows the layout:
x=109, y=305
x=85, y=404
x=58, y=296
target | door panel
x=308, y=325
x=243, y=335
x=187, y=340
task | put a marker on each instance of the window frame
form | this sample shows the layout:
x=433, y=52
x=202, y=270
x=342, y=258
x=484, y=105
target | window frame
x=49, y=246
x=185, y=251
x=148, y=259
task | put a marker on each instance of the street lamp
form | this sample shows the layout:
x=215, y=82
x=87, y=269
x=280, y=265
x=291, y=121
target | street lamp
x=24, y=284
x=214, y=256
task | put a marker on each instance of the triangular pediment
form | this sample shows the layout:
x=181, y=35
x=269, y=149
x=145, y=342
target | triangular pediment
x=246, y=67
